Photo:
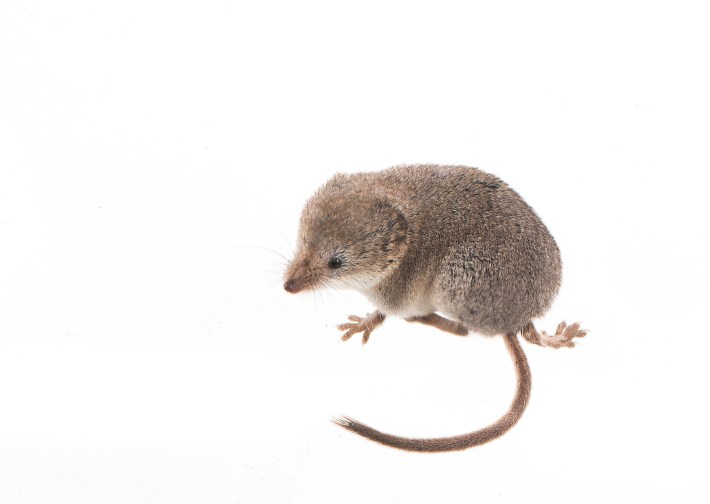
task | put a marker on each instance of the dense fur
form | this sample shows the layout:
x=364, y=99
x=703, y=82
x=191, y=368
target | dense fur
x=418, y=239
x=421, y=240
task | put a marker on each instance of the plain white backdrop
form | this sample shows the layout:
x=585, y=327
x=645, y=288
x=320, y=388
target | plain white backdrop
x=154, y=158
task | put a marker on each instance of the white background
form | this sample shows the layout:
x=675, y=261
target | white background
x=154, y=158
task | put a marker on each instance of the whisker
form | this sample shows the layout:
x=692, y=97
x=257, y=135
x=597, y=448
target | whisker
x=288, y=243
x=267, y=249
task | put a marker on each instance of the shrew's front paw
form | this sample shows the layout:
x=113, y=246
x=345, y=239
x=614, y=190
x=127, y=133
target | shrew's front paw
x=361, y=325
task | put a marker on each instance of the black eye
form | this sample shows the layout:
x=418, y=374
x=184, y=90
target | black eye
x=335, y=263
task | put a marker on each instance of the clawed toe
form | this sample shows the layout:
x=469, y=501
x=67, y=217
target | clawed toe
x=359, y=324
x=564, y=335
x=351, y=329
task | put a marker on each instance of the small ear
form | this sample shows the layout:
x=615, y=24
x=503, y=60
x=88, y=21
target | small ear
x=394, y=224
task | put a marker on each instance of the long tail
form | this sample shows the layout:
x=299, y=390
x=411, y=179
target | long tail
x=463, y=441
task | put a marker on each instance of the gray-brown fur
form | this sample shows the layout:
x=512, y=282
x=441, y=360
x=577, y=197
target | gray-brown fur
x=423, y=239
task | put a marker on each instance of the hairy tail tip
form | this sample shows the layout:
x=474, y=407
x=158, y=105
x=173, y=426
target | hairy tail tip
x=344, y=422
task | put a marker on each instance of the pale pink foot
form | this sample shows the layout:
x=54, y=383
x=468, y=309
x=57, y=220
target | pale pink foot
x=564, y=335
x=361, y=325
x=441, y=323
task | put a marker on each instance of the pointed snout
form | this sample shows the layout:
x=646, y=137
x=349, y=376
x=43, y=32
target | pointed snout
x=290, y=286
x=296, y=284
x=299, y=276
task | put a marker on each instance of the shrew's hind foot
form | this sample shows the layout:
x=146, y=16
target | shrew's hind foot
x=442, y=323
x=564, y=335
x=361, y=325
